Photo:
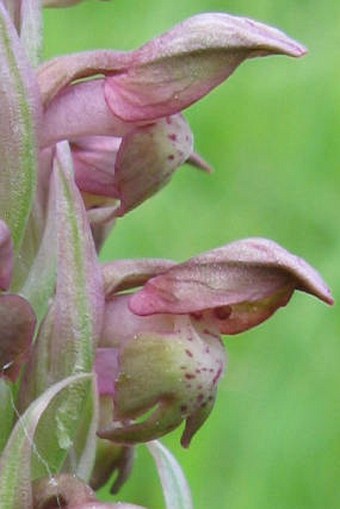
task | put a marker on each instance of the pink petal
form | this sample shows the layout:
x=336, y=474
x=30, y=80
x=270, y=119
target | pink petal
x=178, y=68
x=121, y=275
x=94, y=161
x=170, y=72
x=79, y=111
x=120, y=325
x=147, y=158
x=55, y=75
x=106, y=368
x=251, y=278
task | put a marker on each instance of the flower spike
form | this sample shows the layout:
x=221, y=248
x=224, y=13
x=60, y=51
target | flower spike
x=95, y=359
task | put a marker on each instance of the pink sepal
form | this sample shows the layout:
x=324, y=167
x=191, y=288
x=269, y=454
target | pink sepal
x=240, y=285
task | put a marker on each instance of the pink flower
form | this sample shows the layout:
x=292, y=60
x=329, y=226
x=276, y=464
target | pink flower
x=138, y=101
x=238, y=285
x=160, y=352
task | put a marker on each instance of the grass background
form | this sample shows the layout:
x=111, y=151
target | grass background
x=272, y=133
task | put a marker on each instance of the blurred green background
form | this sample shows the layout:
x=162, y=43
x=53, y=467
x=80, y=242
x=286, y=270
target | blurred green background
x=272, y=132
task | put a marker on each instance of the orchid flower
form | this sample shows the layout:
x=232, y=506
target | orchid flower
x=139, y=100
x=160, y=346
x=95, y=359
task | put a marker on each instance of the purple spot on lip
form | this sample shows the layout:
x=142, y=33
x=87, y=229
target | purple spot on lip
x=222, y=312
x=171, y=157
x=172, y=137
x=189, y=354
x=189, y=376
x=197, y=316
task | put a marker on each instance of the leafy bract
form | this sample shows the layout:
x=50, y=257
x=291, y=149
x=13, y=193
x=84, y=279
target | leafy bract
x=20, y=114
x=15, y=463
x=175, y=488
